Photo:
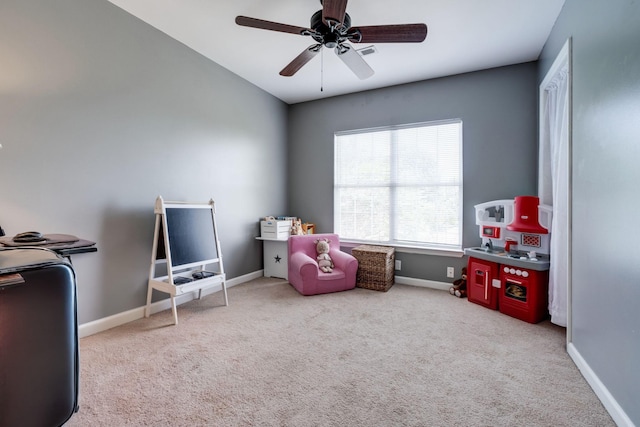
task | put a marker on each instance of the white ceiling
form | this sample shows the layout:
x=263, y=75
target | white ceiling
x=463, y=36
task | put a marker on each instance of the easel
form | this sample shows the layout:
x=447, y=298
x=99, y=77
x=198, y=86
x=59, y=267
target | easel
x=185, y=229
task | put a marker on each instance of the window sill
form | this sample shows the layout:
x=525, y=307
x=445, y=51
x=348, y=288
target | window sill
x=458, y=253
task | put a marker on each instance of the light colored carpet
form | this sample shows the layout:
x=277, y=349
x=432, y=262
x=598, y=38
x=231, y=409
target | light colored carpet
x=408, y=357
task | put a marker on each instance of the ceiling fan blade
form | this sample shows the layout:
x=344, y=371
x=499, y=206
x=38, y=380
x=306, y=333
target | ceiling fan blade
x=307, y=55
x=404, y=33
x=245, y=21
x=333, y=11
x=354, y=61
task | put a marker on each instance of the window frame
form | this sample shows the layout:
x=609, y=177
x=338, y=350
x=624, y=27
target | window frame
x=402, y=246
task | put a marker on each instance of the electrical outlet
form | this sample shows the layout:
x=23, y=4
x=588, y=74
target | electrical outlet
x=450, y=272
x=398, y=265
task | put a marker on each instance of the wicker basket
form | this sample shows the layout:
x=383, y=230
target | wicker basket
x=375, y=267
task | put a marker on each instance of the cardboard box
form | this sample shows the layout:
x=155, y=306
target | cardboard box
x=275, y=229
x=308, y=228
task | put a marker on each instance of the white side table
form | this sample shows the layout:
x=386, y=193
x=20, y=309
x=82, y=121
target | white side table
x=276, y=256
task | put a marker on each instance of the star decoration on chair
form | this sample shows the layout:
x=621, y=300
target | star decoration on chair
x=277, y=258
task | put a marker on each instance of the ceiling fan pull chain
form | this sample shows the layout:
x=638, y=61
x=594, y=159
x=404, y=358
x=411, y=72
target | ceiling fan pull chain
x=321, y=69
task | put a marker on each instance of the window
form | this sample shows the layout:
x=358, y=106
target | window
x=400, y=185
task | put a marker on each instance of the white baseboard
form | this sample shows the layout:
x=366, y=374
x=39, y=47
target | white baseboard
x=105, y=323
x=611, y=405
x=442, y=286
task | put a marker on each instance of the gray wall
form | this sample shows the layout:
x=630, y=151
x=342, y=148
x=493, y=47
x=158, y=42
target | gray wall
x=101, y=113
x=498, y=108
x=606, y=154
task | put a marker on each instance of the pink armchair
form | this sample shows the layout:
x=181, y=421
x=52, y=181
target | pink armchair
x=304, y=274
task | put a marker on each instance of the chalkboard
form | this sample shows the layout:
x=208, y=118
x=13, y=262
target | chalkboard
x=187, y=249
x=191, y=233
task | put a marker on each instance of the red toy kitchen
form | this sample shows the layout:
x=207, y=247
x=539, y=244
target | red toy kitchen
x=510, y=270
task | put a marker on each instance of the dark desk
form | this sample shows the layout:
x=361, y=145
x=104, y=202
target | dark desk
x=62, y=244
x=79, y=247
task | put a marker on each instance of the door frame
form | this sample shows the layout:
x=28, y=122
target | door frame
x=562, y=59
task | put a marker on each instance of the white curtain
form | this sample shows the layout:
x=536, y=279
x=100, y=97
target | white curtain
x=555, y=148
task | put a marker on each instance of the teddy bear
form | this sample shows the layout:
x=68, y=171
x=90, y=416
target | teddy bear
x=296, y=227
x=325, y=263
x=459, y=287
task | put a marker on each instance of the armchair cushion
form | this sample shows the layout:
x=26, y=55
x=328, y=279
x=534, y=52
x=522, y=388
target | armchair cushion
x=304, y=274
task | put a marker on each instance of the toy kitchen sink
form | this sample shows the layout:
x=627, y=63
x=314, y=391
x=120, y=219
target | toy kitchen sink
x=519, y=259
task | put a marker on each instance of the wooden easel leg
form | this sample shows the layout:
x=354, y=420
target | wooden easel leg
x=147, y=309
x=174, y=310
x=224, y=289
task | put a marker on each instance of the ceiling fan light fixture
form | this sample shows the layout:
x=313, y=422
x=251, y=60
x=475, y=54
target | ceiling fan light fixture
x=354, y=36
x=331, y=40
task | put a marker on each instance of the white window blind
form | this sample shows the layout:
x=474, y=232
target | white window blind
x=400, y=185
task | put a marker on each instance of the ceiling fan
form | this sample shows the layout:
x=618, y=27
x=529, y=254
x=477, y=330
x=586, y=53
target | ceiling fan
x=331, y=27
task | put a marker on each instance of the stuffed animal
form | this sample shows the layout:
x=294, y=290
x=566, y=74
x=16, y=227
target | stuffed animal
x=296, y=227
x=325, y=263
x=459, y=287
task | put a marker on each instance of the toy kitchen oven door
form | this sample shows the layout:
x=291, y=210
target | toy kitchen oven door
x=523, y=293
